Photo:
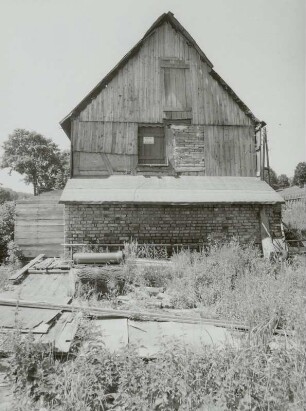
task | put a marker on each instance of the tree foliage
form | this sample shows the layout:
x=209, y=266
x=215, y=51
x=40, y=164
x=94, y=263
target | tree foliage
x=6, y=195
x=7, y=218
x=283, y=181
x=64, y=172
x=35, y=157
x=299, y=178
x=270, y=177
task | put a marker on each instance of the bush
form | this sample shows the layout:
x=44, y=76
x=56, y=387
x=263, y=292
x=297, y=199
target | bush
x=7, y=218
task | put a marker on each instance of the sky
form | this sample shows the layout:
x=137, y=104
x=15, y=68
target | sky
x=53, y=52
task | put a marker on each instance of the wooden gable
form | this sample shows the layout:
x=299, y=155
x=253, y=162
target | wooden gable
x=143, y=89
x=164, y=80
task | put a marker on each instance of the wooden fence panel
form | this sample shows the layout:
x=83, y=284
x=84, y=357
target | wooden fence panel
x=39, y=225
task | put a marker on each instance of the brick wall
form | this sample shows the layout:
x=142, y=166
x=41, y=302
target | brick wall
x=188, y=148
x=111, y=224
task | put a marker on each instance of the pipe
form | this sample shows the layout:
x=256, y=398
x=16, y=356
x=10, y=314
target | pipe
x=98, y=258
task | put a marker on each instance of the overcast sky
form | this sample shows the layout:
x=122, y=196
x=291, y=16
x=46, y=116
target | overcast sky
x=53, y=52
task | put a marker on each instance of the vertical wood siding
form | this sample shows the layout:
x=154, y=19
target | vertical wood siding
x=134, y=94
x=166, y=79
x=39, y=225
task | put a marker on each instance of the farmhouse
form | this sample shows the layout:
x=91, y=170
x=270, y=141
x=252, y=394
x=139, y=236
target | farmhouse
x=163, y=151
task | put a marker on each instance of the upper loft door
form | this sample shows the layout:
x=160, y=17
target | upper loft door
x=175, y=77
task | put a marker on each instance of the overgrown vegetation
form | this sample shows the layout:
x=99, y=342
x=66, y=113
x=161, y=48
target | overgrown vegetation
x=263, y=372
x=7, y=218
x=244, y=378
x=9, y=252
x=294, y=217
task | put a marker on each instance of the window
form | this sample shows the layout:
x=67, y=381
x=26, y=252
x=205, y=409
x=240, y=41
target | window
x=151, y=145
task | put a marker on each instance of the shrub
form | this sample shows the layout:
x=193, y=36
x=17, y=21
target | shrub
x=7, y=218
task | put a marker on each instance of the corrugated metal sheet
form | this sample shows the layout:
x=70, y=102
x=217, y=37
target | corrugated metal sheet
x=181, y=190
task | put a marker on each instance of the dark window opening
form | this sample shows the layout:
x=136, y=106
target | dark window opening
x=151, y=145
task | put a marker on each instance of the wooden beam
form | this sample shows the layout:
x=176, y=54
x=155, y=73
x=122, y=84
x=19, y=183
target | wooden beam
x=17, y=276
x=135, y=315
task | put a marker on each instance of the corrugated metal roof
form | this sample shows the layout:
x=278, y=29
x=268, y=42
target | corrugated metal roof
x=180, y=190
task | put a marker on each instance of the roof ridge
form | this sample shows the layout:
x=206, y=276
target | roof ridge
x=169, y=16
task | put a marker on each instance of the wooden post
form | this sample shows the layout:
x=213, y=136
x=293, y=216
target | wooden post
x=266, y=238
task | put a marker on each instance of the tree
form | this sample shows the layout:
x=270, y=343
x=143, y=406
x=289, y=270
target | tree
x=35, y=157
x=283, y=181
x=273, y=178
x=299, y=178
x=5, y=195
x=64, y=173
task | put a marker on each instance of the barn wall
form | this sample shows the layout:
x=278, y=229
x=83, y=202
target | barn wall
x=142, y=92
x=136, y=93
x=39, y=225
x=111, y=148
x=114, y=224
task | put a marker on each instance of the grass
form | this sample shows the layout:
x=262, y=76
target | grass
x=227, y=281
x=294, y=217
x=6, y=271
x=241, y=378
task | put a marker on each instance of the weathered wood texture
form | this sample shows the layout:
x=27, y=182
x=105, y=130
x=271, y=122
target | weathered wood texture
x=39, y=225
x=226, y=150
x=134, y=94
x=166, y=80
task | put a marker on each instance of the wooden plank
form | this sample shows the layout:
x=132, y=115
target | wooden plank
x=174, y=65
x=67, y=333
x=109, y=313
x=24, y=269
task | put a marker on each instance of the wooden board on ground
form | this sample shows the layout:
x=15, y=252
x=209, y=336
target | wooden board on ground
x=113, y=334
x=150, y=337
x=133, y=315
x=53, y=288
x=26, y=318
x=62, y=334
x=18, y=275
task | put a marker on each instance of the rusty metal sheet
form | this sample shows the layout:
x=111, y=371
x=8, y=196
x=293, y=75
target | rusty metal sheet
x=167, y=189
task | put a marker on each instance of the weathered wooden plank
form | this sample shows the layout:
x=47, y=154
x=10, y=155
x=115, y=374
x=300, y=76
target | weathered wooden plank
x=139, y=315
x=130, y=95
x=24, y=269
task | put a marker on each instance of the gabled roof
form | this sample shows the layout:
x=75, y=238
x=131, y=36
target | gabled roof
x=169, y=190
x=165, y=17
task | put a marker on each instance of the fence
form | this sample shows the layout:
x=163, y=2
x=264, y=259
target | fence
x=39, y=225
